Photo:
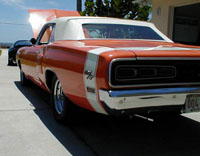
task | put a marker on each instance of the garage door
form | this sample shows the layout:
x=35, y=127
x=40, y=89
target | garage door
x=187, y=24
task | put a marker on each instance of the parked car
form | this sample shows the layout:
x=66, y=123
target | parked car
x=13, y=50
x=111, y=66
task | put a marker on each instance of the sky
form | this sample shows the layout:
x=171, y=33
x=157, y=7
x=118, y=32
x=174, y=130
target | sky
x=14, y=16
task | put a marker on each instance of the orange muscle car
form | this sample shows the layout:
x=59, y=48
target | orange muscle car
x=111, y=66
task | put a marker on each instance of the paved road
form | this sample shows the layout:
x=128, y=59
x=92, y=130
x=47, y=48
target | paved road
x=27, y=128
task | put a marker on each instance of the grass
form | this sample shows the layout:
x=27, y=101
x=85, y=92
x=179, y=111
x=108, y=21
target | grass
x=0, y=52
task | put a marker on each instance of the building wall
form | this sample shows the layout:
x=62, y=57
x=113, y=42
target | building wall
x=163, y=11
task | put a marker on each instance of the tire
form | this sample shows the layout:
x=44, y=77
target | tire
x=63, y=108
x=23, y=80
x=10, y=62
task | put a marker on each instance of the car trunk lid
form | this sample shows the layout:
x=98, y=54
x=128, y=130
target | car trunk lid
x=150, y=49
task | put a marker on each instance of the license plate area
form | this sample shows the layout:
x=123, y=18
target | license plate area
x=192, y=103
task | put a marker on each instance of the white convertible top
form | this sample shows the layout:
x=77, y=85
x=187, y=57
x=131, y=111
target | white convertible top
x=70, y=28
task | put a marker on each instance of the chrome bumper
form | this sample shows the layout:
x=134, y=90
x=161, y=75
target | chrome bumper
x=141, y=98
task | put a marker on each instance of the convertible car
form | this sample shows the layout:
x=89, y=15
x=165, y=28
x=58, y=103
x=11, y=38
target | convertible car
x=111, y=66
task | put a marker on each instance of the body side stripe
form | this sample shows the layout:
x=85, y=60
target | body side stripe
x=91, y=65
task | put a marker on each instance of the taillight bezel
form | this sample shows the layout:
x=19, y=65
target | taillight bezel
x=139, y=68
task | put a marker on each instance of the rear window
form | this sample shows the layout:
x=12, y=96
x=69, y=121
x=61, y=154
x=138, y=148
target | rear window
x=119, y=31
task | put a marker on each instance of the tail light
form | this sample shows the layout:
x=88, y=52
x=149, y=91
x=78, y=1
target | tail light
x=123, y=72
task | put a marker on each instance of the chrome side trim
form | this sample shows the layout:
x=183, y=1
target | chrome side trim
x=139, y=92
x=157, y=85
x=152, y=85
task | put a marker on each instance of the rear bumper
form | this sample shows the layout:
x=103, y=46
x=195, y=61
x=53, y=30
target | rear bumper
x=144, y=100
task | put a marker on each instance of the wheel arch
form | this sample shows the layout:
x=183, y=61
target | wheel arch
x=49, y=75
x=19, y=64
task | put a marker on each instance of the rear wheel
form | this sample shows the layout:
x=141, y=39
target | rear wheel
x=63, y=108
x=23, y=80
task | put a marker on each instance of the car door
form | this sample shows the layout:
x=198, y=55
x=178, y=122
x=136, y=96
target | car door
x=45, y=38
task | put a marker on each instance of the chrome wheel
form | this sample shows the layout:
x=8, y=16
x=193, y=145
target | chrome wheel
x=59, y=98
x=63, y=108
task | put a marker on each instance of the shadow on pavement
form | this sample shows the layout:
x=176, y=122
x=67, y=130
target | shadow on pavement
x=96, y=134
x=64, y=134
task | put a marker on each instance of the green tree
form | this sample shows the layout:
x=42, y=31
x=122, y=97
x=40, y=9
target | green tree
x=116, y=8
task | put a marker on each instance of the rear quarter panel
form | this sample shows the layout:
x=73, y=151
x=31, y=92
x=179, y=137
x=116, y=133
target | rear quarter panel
x=68, y=65
x=69, y=62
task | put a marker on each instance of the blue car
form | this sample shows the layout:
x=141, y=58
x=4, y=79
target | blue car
x=13, y=50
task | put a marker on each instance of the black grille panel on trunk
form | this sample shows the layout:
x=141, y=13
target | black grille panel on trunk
x=186, y=71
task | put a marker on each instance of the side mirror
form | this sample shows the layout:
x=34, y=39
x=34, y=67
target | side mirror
x=33, y=41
